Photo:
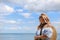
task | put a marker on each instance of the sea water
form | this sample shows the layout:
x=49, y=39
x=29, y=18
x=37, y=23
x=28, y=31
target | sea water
x=19, y=36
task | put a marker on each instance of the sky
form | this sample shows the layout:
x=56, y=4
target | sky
x=22, y=16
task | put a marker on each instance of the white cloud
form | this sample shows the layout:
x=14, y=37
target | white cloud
x=9, y=9
x=26, y=15
x=56, y=22
x=43, y=5
x=13, y=28
x=38, y=5
x=11, y=21
x=26, y=28
x=5, y=9
x=8, y=21
x=20, y=21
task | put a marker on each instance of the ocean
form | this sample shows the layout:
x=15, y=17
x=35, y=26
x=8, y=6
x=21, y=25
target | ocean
x=19, y=36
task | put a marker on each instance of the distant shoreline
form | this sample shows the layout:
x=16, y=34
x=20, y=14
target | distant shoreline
x=16, y=33
x=20, y=33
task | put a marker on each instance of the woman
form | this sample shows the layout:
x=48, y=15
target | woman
x=45, y=30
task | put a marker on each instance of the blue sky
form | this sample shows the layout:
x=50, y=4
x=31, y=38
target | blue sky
x=21, y=16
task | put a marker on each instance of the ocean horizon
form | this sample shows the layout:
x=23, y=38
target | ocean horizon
x=20, y=36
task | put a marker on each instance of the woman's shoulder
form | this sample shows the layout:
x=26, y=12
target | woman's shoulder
x=48, y=25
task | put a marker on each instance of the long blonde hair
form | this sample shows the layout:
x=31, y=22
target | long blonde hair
x=45, y=18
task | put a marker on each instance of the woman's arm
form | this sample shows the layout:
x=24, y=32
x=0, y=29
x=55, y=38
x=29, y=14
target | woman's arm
x=41, y=36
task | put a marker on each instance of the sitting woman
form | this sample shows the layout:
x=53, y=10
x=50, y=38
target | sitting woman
x=45, y=31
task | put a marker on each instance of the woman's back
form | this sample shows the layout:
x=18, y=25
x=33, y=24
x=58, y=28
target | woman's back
x=54, y=33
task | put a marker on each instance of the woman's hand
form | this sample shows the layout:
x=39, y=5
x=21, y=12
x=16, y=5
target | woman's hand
x=41, y=36
x=36, y=37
